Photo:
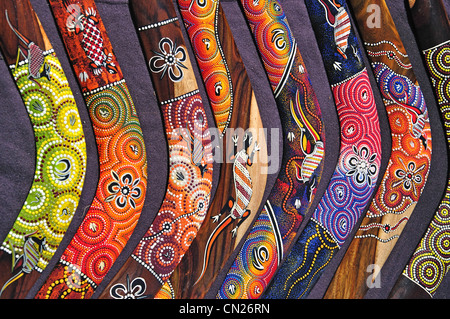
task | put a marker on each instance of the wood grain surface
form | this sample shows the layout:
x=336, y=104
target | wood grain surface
x=30, y=27
x=245, y=117
x=146, y=16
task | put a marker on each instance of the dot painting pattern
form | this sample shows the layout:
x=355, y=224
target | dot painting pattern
x=187, y=196
x=344, y=200
x=119, y=198
x=409, y=164
x=304, y=148
x=60, y=161
x=431, y=259
x=200, y=19
x=353, y=181
x=348, y=194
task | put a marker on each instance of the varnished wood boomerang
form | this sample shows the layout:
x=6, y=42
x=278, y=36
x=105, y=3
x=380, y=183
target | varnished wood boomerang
x=146, y=14
x=432, y=27
x=350, y=278
x=185, y=282
x=21, y=35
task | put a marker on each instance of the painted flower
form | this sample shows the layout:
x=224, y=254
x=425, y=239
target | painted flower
x=409, y=176
x=169, y=60
x=124, y=190
x=362, y=166
x=133, y=290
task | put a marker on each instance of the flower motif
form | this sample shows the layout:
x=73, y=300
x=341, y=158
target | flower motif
x=124, y=190
x=409, y=176
x=133, y=290
x=362, y=166
x=169, y=60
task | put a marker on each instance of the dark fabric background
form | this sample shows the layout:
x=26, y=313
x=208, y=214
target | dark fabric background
x=17, y=152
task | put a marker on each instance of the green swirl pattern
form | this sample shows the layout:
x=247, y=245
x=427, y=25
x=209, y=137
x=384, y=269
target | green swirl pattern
x=60, y=161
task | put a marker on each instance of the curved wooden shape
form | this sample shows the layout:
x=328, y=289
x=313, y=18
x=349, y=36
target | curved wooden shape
x=120, y=194
x=303, y=151
x=60, y=150
x=409, y=164
x=244, y=155
x=353, y=182
x=429, y=264
x=187, y=132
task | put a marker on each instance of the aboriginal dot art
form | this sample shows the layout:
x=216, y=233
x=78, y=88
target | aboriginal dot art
x=242, y=176
x=110, y=220
x=409, y=162
x=303, y=153
x=200, y=19
x=186, y=201
x=188, y=193
x=353, y=182
x=429, y=262
x=60, y=151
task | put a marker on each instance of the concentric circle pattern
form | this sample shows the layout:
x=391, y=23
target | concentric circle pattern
x=187, y=199
x=60, y=161
x=431, y=259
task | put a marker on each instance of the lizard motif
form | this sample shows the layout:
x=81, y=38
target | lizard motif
x=32, y=249
x=337, y=17
x=92, y=41
x=235, y=207
x=37, y=67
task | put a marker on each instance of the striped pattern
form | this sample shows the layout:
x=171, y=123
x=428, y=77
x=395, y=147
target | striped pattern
x=342, y=30
x=198, y=152
x=312, y=161
x=313, y=155
x=302, y=121
x=418, y=126
x=276, y=226
x=31, y=255
x=242, y=184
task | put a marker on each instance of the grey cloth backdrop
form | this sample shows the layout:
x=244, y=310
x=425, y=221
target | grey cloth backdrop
x=17, y=152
